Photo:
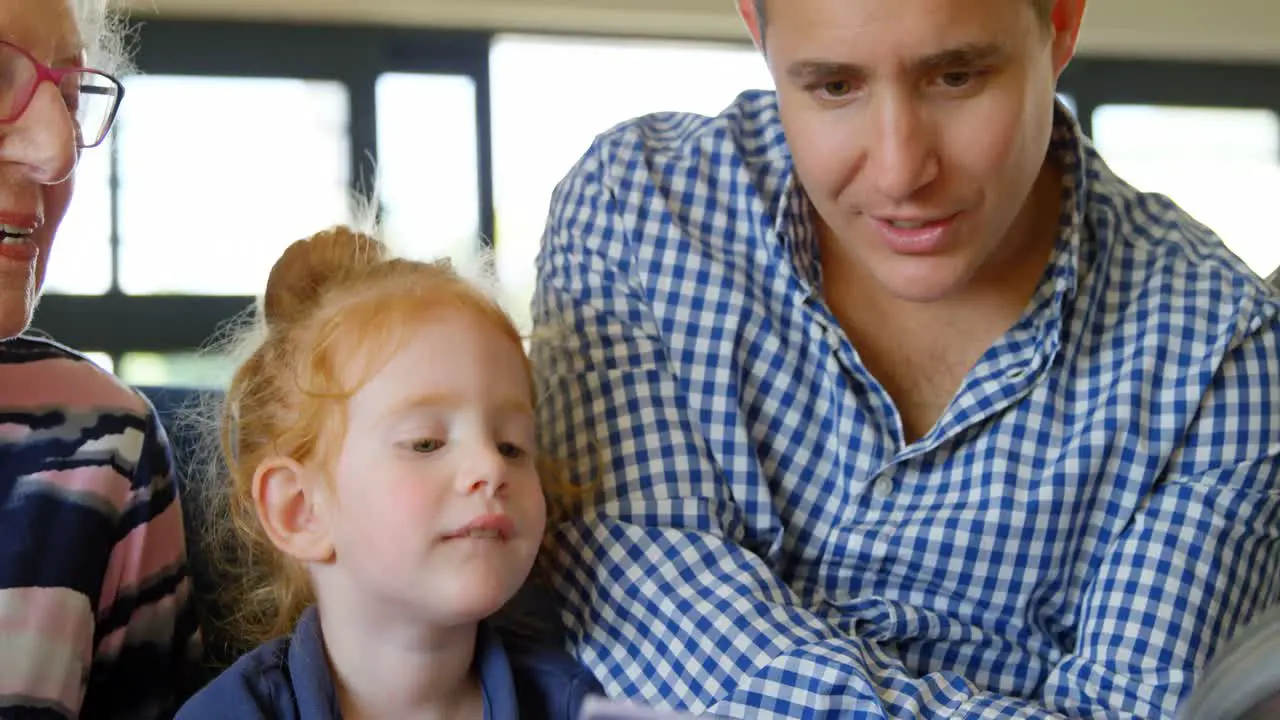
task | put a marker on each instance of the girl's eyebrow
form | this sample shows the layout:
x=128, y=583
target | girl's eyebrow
x=447, y=401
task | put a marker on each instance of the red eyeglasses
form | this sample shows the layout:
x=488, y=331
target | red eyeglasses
x=92, y=96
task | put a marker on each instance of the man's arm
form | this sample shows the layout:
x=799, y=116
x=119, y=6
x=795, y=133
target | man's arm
x=1199, y=559
x=146, y=644
x=666, y=605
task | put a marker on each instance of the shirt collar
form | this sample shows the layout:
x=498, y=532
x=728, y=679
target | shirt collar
x=313, y=686
x=316, y=692
x=496, y=680
x=1071, y=150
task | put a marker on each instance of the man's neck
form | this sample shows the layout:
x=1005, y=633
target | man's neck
x=921, y=352
x=384, y=668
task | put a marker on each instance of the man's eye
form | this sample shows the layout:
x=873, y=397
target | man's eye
x=957, y=79
x=837, y=88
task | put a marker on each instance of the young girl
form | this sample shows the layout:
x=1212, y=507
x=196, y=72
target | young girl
x=384, y=490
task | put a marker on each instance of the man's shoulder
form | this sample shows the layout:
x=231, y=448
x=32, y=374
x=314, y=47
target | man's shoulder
x=751, y=113
x=1153, y=249
x=256, y=686
x=667, y=182
x=548, y=679
x=748, y=132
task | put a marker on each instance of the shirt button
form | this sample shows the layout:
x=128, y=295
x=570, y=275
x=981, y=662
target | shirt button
x=883, y=488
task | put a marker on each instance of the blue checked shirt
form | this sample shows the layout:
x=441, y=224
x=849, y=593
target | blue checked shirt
x=1096, y=509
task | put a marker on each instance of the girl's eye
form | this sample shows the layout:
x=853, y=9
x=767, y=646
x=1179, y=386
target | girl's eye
x=427, y=446
x=511, y=451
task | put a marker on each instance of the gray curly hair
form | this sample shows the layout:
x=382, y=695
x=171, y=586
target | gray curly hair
x=103, y=33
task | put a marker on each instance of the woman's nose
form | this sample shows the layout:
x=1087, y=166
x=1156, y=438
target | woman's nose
x=41, y=144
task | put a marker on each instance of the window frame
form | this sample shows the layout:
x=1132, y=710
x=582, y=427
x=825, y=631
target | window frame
x=1096, y=81
x=116, y=323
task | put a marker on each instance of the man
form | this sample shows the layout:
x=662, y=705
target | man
x=896, y=402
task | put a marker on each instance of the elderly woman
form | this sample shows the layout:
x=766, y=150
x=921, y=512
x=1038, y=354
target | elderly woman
x=95, y=615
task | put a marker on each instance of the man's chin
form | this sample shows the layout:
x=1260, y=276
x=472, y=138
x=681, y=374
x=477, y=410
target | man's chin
x=921, y=281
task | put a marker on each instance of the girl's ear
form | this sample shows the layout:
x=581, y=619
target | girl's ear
x=292, y=509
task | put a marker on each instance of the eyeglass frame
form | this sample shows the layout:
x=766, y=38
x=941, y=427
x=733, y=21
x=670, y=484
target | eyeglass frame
x=45, y=73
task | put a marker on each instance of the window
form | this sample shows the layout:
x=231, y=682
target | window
x=102, y=360
x=81, y=257
x=1070, y=102
x=218, y=175
x=238, y=138
x=553, y=96
x=1221, y=165
x=186, y=370
x=428, y=179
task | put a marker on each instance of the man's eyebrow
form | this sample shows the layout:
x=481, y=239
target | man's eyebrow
x=809, y=70
x=960, y=56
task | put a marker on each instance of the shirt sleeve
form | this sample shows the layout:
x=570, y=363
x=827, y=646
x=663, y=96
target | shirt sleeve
x=146, y=642
x=666, y=605
x=1199, y=559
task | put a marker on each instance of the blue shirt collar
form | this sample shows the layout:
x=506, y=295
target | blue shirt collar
x=316, y=692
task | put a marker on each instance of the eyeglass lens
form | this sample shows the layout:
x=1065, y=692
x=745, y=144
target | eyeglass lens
x=89, y=97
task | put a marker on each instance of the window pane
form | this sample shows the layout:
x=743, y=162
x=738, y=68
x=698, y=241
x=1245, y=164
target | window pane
x=80, y=263
x=1220, y=165
x=219, y=175
x=553, y=96
x=427, y=175
x=1070, y=101
x=102, y=360
x=186, y=370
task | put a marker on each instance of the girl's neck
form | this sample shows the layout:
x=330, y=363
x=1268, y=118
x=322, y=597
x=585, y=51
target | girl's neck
x=388, y=669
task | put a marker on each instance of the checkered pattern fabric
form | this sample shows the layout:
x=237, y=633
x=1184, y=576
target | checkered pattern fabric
x=1097, y=508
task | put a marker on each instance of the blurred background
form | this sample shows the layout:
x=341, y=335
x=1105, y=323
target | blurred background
x=251, y=123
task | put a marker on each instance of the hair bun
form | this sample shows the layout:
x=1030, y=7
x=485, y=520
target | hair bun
x=308, y=267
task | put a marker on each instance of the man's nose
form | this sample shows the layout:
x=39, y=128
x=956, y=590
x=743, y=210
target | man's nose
x=902, y=153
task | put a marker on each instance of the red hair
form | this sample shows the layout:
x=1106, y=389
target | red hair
x=337, y=306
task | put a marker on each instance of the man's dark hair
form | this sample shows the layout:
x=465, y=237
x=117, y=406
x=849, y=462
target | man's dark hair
x=1043, y=8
